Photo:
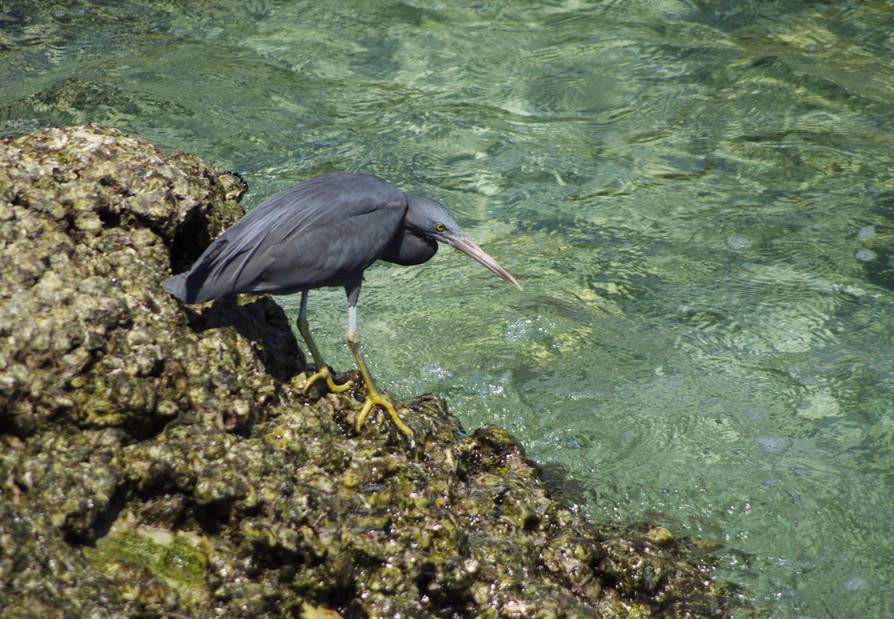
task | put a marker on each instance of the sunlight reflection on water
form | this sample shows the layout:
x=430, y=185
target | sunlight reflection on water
x=697, y=198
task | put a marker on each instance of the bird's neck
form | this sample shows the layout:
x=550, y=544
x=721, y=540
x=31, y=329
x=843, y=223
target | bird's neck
x=407, y=249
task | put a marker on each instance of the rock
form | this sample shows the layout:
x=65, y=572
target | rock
x=162, y=460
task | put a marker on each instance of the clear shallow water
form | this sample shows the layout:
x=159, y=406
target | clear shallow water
x=697, y=197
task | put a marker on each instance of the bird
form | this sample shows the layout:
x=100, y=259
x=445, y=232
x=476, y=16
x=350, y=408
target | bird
x=325, y=232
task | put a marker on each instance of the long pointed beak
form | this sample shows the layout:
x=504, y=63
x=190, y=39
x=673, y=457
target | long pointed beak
x=465, y=245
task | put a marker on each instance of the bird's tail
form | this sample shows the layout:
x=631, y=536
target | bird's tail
x=176, y=286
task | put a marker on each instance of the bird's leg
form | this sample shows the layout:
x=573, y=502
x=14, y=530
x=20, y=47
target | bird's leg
x=322, y=369
x=373, y=397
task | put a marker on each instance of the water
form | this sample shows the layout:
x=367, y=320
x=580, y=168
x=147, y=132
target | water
x=697, y=197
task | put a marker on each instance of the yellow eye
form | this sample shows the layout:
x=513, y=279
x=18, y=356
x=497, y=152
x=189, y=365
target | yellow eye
x=440, y=227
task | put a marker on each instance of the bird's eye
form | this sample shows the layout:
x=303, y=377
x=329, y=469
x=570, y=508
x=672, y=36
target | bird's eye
x=440, y=227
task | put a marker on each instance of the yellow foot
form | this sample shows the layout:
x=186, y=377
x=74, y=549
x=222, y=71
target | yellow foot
x=377, y=399
x=324, y=373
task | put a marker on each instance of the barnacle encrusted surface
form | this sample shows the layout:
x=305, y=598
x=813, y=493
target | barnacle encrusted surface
x=158, y=460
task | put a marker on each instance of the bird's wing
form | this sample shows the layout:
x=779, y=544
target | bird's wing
x=322, y=232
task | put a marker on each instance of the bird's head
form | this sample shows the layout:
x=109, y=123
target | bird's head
x=428, y=218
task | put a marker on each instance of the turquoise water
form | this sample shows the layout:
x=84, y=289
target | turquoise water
x=696, y=196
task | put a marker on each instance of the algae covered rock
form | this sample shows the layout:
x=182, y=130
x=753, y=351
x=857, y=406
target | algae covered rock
x=87, y=218
x=159, y=460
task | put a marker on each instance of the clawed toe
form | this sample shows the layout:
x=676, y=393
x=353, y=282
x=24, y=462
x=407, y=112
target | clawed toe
x=330, y=384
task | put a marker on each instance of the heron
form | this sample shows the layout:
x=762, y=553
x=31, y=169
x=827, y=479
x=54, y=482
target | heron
x=326, y=231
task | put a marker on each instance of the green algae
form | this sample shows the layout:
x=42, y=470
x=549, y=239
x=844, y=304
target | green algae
x=178, y=560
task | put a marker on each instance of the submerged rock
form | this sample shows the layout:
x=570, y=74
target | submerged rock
x=159, y=460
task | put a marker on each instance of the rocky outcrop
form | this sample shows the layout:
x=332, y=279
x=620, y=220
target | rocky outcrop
x=159, y=460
